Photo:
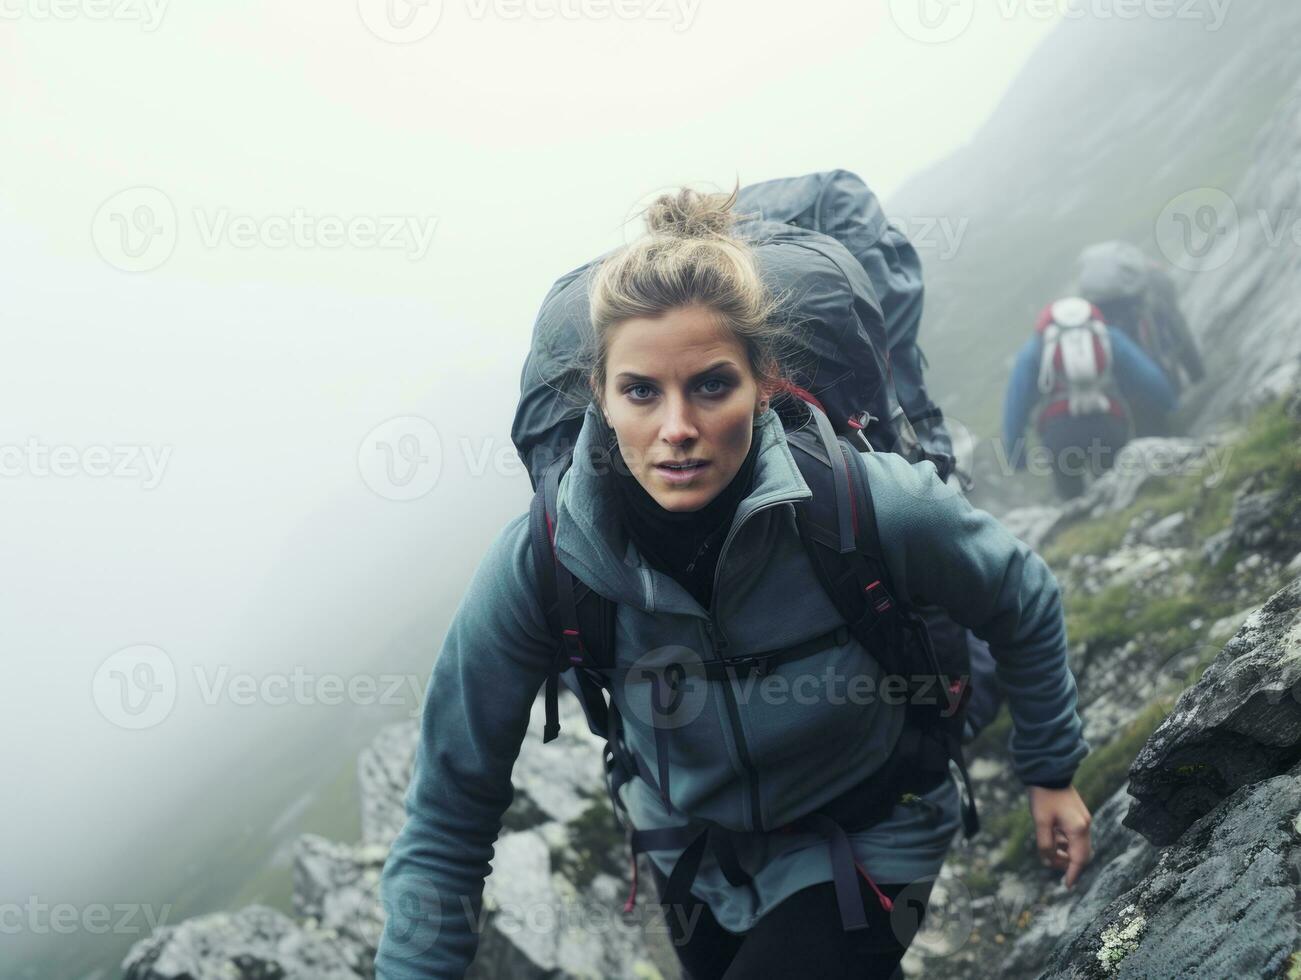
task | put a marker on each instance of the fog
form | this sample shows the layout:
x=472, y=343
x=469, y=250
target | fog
x=240, y=238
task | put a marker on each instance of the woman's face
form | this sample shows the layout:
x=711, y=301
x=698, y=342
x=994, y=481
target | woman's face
x=679, y=388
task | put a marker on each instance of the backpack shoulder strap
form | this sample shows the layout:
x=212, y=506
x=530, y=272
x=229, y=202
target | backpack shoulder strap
x=838, y=528
x=857, y=581
x=581, y=620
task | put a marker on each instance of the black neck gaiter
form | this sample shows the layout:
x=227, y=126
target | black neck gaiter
x=683, y=544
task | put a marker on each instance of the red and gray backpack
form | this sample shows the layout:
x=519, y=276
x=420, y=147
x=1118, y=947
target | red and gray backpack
x=838, y=528
x=1075, y=364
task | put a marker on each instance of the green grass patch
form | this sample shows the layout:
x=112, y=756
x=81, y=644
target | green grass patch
x=1118, y=614
x=596, y=842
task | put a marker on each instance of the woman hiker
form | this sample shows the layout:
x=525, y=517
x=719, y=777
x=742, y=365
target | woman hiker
x=692, y=532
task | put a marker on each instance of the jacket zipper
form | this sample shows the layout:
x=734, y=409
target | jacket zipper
x=719, y=642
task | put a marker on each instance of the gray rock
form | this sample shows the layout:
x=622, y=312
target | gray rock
x=1252, y=522
x=383, y=773
x=336, y=887
x=1121, y=859
x=537, y=923
x=255, y=943
x=1239, y=724
x=1222, y=902
x=1171, y=531
x=1217, y=546
x=552, y=903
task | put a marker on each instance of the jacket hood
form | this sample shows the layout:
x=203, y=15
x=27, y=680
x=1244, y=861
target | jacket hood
x=593, y=543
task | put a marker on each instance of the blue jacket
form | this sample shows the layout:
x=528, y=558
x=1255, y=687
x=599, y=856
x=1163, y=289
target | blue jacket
x=1140, y=380
x=803, y=751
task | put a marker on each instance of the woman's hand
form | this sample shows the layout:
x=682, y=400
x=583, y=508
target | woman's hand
x=1061, y=822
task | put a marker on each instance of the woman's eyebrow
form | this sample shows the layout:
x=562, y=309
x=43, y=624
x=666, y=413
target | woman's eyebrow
x=634, y=376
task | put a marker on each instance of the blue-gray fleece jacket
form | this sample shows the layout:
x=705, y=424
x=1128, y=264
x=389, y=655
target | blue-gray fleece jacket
x=746, y=757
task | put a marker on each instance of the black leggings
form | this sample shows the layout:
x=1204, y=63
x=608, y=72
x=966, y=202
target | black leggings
x=801, y=936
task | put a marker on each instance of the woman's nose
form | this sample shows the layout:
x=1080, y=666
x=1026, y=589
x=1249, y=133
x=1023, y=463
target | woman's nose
x=678, y=424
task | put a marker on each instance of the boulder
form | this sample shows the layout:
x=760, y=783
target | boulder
x=1221, y=902
x=1240, y=724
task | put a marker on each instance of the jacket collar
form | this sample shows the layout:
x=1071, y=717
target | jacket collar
x=593, y=543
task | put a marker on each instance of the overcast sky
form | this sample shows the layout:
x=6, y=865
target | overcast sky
x=238, y=237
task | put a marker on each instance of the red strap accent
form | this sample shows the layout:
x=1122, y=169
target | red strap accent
x=802, y=394
x=881, y=604
x=881, y=896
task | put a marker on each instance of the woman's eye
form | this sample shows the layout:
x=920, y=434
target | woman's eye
x=722, y=385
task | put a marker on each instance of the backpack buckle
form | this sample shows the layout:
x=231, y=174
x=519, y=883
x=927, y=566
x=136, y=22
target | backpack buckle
x=878, y=597
x=759, y=665
x=574, y=646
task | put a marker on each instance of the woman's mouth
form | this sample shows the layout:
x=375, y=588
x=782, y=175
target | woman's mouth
x=674, y=473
